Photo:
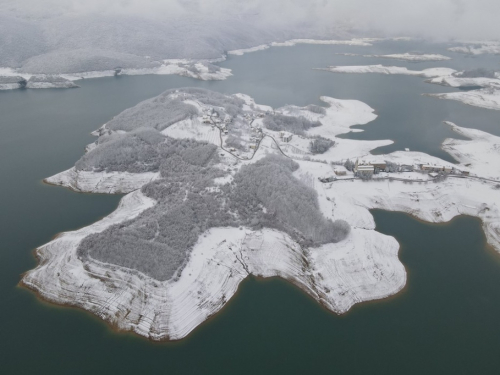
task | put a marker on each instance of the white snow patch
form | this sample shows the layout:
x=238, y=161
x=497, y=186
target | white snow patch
x=478, y=48
x=193, y=128
x=481, y=153
x=102, y=182
x=488, y=97
x=412, y=57
x=457, y=81
x=365, y=42
x=168, y=67
x=381, y=69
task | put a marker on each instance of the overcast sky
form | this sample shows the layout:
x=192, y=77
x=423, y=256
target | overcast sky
x=437, y=19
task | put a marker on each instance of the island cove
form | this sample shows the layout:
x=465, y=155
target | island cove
x=232, y=173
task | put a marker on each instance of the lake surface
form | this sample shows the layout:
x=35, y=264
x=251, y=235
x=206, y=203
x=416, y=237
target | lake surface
x=445, y=321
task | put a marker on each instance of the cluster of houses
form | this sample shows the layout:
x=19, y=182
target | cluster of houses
x=212, y=117
x=372, y=167
x=363, y=169
x=250, y=117
x=381, y=166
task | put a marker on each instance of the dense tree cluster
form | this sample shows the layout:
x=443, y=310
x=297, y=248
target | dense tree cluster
x=235, y=142
x=158, y=113
x=267, y=194
x=349, y=165
x=264, y=194
x=12, y=79
x=391, y=167
x=297, y=125
x=142, y=150
x=158, y=242
x=365, y=175
x=169, y=108
x=320, y=145
x=135, y=152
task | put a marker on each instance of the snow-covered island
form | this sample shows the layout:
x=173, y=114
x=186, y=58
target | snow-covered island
x=219, y=188
x=486, y=83
x=11, y=79
x=478, y=47
x=408, y=56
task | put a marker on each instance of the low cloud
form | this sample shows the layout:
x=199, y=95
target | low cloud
x=441, y=19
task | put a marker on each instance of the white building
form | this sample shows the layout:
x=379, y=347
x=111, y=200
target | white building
x=364, y=168
x=361, y=167
x=285, y=136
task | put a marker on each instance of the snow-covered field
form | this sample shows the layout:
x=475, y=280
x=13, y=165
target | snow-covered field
x=364, y=266
x=488, y=97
